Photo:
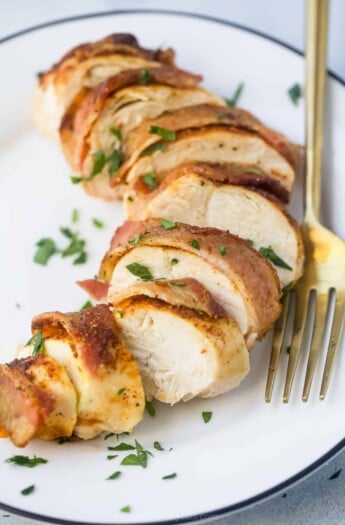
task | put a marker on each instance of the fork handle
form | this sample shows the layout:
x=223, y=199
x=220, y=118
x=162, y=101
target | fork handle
x=316, y=59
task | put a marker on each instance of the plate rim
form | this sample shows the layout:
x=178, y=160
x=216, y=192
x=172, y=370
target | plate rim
x=304, y=473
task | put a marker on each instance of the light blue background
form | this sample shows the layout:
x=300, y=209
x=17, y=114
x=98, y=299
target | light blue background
x=317, y=500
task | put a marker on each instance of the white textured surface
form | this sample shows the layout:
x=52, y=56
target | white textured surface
x=317, y=500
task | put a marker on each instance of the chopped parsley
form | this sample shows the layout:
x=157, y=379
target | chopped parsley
x=25, y=461
x=81, y=259
x=109, y=435
x=99, y=161
x=38, y=342
x=75, y=216
x=86, y=305
x=288, y=350
x=145, y=77
x=151, y=149
x=114, y=162
x=116, y=132
x=130, y=198
x=116, y=475
x=97, y=223
x=127, y=509
x=120, y=313
x=174, y=261
x=46, y=247
x=112, y=457
x=140, y=271
x=17, y=305
x=168, y=225
x=236, y=96
x=150, y=180
x=195, y=244
x=206, y=416
x=287, y=288
x=177, y=283
x=295, y=93
x=122, y=447
x=336, y=474
x=138, y=459
x=62, y=440
x=150, y=408
x=271, y=255
x=165, y=134
x=222, y=250
x=158, y=446
x=170, y=476
x=121, y=391
x=135, y=241
x=29, y=490
x=250, y=242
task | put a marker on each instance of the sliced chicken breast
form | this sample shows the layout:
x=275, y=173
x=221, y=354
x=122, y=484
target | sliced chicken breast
x=182, y=353
x=238, y=278
x=37, y=400
x=100, y=366
x=88, y=65
x=251, y=213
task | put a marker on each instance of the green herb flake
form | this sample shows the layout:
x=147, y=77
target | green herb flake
x=135, y=460
x=167, y=225
x=149, y=179
x=77, y=180
x=174, y=261
x=116, y=475
x=109, y=435
x=287, y=288
x=195, y=244
x=75, y=216
x=99, y=161
x=145, y=77
x=112, y=457
x=28, y=490
x=232, y=102
x=120, y=313
x=165, y=134
x=288, y=350
x=67, y=233
x=222, y=250
x=38, y=342
x=62, y=440
x=150, y=408
x=86, y=305
x=121, y=391
x=271, y=255
x=177, y=283
x=130, y=198
x=295, y=93
x=25, y=461
x=18, y=306
x=114, y=162
x=46, y=247
x=250, y=242
x=81, y=259
x=136, y=240
x=76, y=246
x=116, y=132
x=158, y=446
x=140, y=271
x=127, y=509
x=122, y=447
x=159, y=146
x=170, y=476
x=206, y=416
x=98, y=224
x=336, y=474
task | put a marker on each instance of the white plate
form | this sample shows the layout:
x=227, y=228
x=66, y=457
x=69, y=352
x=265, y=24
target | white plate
x=249, y=450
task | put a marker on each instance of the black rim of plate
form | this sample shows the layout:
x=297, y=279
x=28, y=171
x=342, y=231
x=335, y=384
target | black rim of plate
x=293, y=479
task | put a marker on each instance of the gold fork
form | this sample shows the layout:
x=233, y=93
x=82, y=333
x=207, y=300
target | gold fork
x=324, y=272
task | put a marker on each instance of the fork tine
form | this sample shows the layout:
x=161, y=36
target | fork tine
x=316, y=342
x=278, y=337
x=334, y=342
x=300, y=317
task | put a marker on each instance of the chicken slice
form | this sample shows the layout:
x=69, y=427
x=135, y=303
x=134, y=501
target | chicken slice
x=37, y=399
x=251, y=213
x=238, y=278
x=88, y=65
x=100, y=366
x=182, y=353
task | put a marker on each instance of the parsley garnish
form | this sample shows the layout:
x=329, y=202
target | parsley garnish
x=271, y=255
x=86, y=305
x=25, y=461
x=121, y=391
x=38, y=342
x=139, y=459
x=28, y=490
x=121, y=447
x=75, y=216
x=120, y=313
x=126, y=509
x=158, y=446
x=135, y=241
x=151, y=149
x=116, y=132
x=116, y=475
x=287, y=287
x=62, y=440
x=206, y=416
x=130, y=198
x=288, y=349
x=150, y=408
x=110, y=435
x=145, y=77
x=46, y=248
x=150, y=180
x=168, y=225
x=173, y=261
x=295, y=93
x=195, y=244
x=114, y=162
x=235, y=97
x=222, y=249
x=165, y=134
x=250, y=242
x=336, y=474
x=170, y=476
x=97, y=223
x=177, y=283
x=140, y=271
x=112, y=457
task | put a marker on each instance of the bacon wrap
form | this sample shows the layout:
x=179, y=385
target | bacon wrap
x=86, y=107
x=91, y=333
x=200, y=116
x=97, y=290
